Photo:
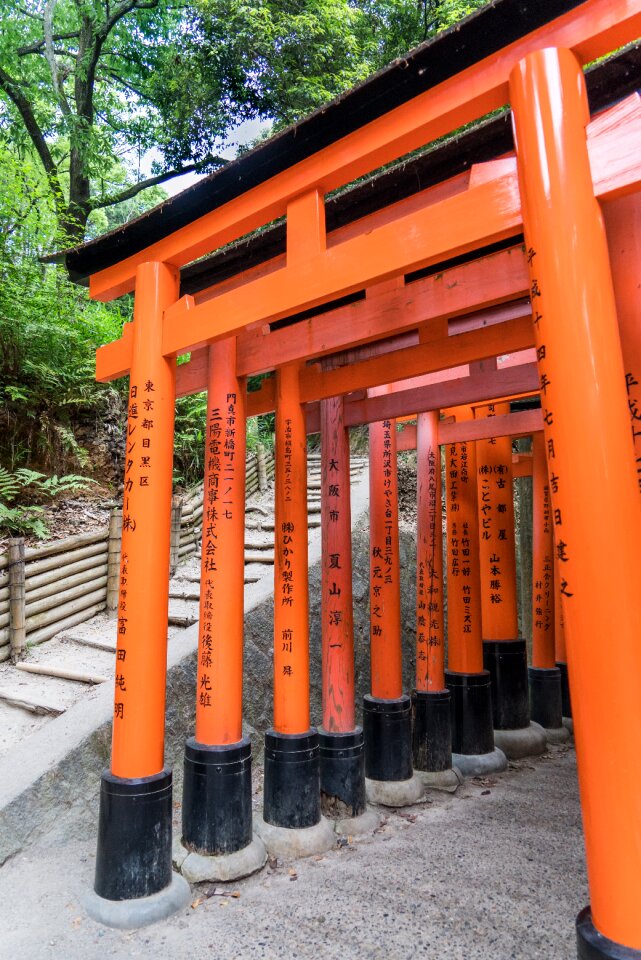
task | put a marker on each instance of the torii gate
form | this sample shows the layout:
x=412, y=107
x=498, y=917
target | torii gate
x=552, y=188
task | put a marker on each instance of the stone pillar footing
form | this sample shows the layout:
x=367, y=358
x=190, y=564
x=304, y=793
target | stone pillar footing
x=591, y=945
x=557, y=734
x=198, y=867
x=365, y=823
x=292, y=780
x=387, y=727
x=133, y=858
x=447, y=780
x=395, y=793
x=342, y=774
x=289, y=843
x=529, y=741
x=478, y=764
x=132, y=914
x=217, y=798
x=431, y=730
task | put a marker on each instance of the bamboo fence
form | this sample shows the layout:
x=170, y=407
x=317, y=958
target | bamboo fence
x=57, y=586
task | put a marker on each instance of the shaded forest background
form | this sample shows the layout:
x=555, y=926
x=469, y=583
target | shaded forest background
x=102, y=105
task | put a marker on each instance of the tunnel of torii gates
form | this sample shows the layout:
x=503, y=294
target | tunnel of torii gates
x=502, y=264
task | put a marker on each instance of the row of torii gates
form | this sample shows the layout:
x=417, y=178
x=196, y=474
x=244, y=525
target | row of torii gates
x=349, y=304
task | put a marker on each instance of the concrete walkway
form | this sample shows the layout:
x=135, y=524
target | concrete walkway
x=496, y=872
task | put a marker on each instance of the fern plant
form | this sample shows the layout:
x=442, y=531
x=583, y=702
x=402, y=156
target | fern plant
x=18, y=519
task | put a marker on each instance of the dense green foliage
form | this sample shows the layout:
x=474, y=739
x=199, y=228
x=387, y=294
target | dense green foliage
x=96, y=96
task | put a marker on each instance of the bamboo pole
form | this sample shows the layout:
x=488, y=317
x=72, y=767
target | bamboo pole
x=46, y=633
x=56, y=614
x=176, y=511
x=65, y=545
x=62, y=585
x=44, y=670
x=36, y=567
x=17, y=629
x=33, y=584
x=61, y=598
x=113, y=560
x=262, y=467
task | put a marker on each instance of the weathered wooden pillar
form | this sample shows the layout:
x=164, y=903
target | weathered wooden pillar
x=544, y=675
x=431, y=728
x=387, y=720
x=466, y=678
x=504, y=652
x=585, y=408
x=114, y=544
x=134, y=834
x=17, y=608
x=217, y=789
x=342, y=760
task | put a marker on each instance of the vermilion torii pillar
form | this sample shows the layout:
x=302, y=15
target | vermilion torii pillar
x=545, y=676
x=342, y=760
x=586, y=408
x=504, y=653
x=292, y=773
x=431, y=728
x=387, y=720
x=217, y=811
x=134, y=833
x=468, y=682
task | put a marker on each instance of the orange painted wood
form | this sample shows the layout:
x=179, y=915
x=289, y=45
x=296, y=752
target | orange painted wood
x=521, y=465
x=430, y=648
x=543, y=650
x=464, y=636
x=505, y=425
x=481, y=283
x=593, y=29
x=385, y=588
x=113, y=360
x=488, y=213
x=337, y=632
x=623, y=227
x=497, y=558
x=406, y=439
x=560, y=649
x=415, y=361
x=219, y=693
x=291, y=601
x=586, y=406
x=141, y=657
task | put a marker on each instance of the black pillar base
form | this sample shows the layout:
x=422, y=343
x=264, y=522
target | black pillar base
x=545, y=697
x=591, y=945
x=342, y=773
x=431, y=730
x=217, y=797
x=292, y=779
x=506, y=662
x=387, y=726
x=566, y=703
x=471, y=712
x=133, y=858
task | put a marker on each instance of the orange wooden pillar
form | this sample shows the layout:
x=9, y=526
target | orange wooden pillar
x=292, y=775
x=596, y=509
x=342, y=771
x=431, y=727
x=387, y=721
x=134, y=833
x=560, y=650
x=217, y=817
x=544, y=675
x=467, y=680
x=504, y=653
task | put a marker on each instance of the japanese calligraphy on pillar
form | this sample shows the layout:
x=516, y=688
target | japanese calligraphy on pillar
x=219, y=505
x=543, y=606
x=138, y=473
x=429, y=568
x=562, y=548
